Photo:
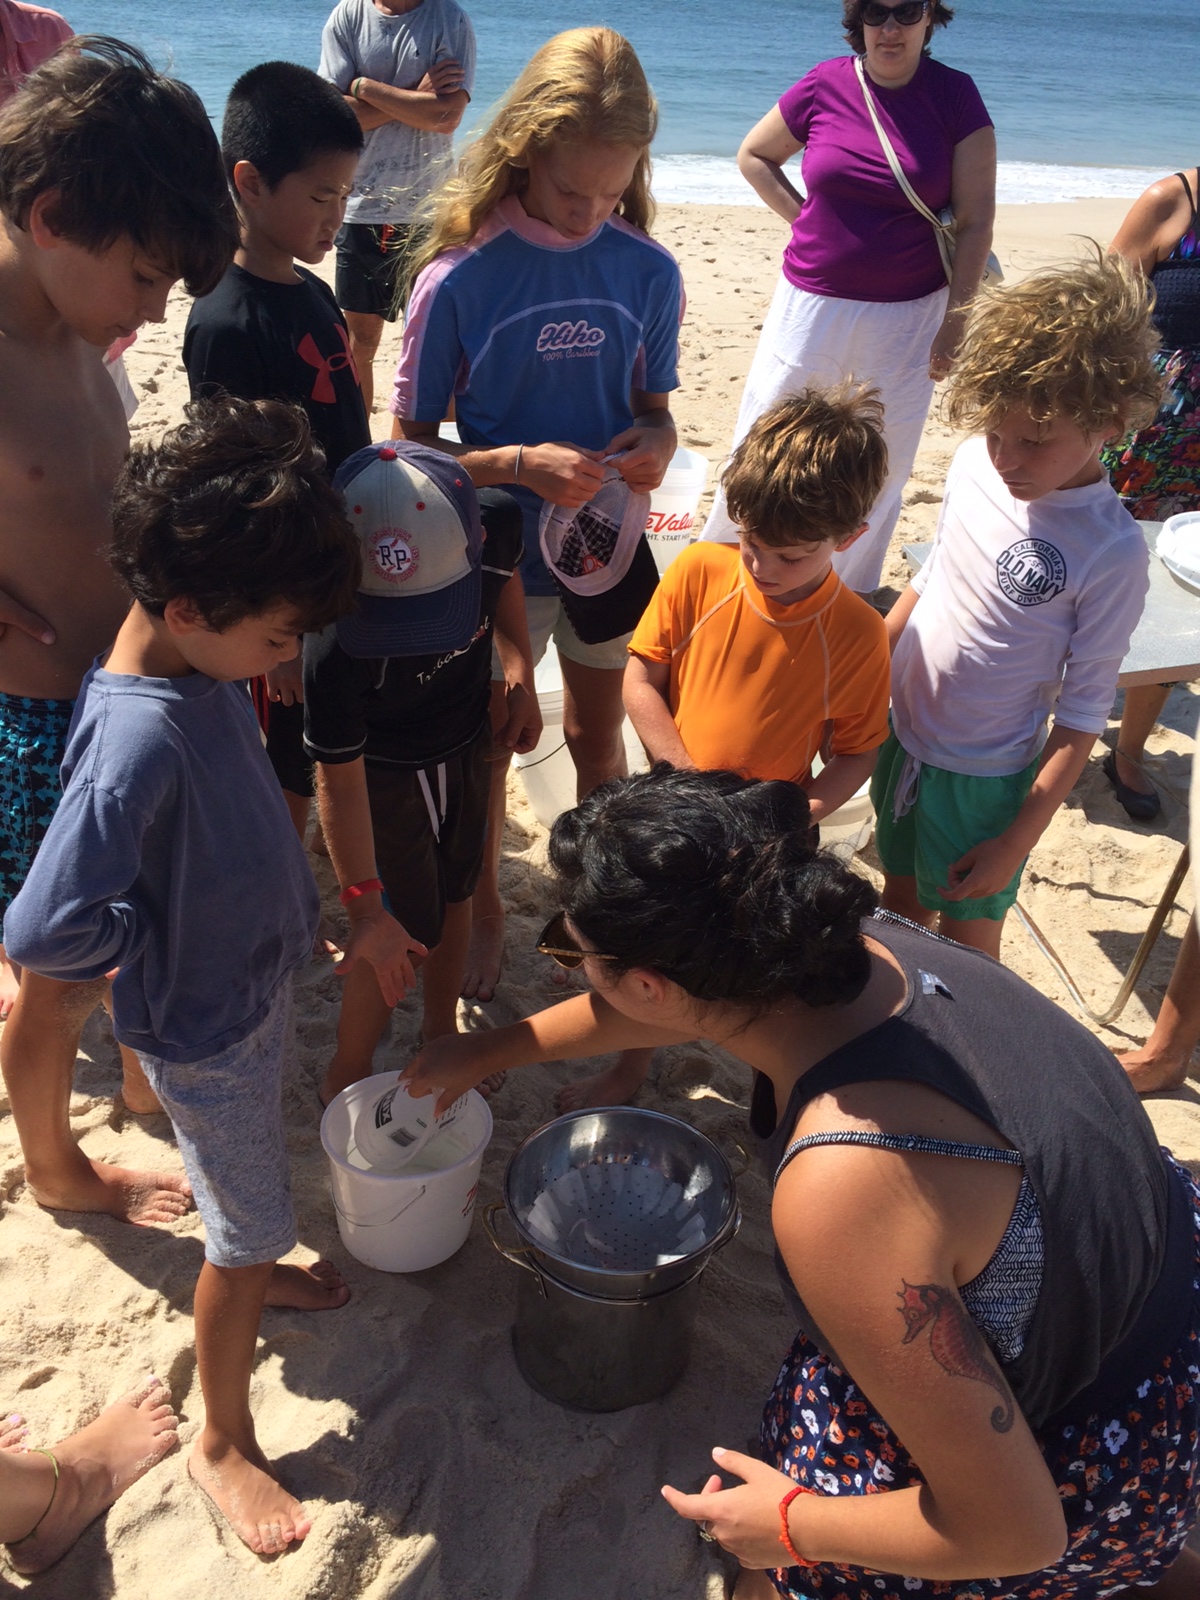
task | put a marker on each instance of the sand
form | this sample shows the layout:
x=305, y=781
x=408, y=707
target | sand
x=434, y=1473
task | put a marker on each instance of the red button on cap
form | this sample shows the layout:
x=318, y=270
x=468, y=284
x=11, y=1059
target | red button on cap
x=387, y=454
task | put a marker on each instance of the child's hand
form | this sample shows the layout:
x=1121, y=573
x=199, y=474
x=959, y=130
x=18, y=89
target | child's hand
x=744, y=1519
x=523, y=726
x=645, y=453
x=378, y=938
x=562, y=473
x=448, y=1067
x=985, y=869
x=14, y=615
x=285, y=683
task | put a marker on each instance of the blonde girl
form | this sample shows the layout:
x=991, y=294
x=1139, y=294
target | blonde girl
x=545, y=311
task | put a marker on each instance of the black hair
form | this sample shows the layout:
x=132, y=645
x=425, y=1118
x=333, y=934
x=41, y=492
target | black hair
x=234, y=511
x=939, y=16
x=711, y=879
x=282, y=117
x=129, y=152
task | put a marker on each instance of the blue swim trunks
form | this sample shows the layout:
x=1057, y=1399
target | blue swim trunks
x=33, y=736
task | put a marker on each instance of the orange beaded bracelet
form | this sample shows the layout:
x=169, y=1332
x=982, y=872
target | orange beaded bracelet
x=785, y=1537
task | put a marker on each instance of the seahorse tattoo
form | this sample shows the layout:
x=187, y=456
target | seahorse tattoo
x=956, y=1343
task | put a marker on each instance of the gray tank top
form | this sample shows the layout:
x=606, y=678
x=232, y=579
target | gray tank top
x=978, y=1034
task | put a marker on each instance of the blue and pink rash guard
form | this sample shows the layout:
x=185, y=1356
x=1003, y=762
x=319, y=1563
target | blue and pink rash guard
x=539, y=338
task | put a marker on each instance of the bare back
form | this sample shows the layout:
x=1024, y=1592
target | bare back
x=62, y=439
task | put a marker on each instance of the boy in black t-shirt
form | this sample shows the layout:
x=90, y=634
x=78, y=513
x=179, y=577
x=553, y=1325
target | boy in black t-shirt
x=396, y=714
x=272, y=331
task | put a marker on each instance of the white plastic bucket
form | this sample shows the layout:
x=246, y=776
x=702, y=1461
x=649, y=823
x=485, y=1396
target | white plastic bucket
x=848, y=829
x=409, y=1220
x=673, y=506
x=547, y=771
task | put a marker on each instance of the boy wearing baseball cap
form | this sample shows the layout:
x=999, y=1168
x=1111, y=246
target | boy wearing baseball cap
x=396, y=716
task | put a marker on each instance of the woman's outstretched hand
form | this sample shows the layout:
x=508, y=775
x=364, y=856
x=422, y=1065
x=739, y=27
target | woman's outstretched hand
x=448, y=1067
x=744, y=1519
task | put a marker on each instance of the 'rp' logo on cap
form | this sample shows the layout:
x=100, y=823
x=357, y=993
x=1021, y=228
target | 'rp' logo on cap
x=393, y=555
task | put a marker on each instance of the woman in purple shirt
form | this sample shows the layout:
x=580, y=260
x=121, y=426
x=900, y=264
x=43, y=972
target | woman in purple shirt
x=863, y=292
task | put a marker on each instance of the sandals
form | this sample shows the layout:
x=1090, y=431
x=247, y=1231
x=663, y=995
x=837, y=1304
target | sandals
x=1140, y=807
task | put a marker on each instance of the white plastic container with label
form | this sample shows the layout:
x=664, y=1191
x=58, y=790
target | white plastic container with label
x=673, y=506
x=548, y=772
x=392, y=1130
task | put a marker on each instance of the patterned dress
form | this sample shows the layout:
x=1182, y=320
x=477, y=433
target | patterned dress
x=1156, y=471
x=1129, y=1478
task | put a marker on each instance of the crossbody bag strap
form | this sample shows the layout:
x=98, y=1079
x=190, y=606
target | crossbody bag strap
x=911, y=194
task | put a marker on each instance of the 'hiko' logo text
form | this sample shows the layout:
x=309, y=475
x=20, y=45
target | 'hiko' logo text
x=565, y=336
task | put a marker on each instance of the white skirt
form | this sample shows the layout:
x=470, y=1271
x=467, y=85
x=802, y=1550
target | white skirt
x=813, y=339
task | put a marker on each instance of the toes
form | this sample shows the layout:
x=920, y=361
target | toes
x=328, y=1274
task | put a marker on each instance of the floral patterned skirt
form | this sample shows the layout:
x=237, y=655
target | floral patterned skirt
x=1156, y=471
x=1129, y=1479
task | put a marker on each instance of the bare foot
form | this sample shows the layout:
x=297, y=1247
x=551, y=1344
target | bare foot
x=317, y=1287
x=246, y=1492
x=489, y=1086
x=10, y=984
x=13, y=1431
x=96, y=1466
x=136, y=1093
x=485, y=956
x=612, y=1087
x=1150, y=1073
x=145, y=1198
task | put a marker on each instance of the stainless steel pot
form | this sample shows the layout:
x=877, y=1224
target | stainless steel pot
x=591, y=1353
x=619, y=1203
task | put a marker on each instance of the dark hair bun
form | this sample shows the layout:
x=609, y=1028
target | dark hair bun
x=712, y=880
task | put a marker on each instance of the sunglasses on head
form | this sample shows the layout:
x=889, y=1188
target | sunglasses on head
x=907, y=14
x=560, y=945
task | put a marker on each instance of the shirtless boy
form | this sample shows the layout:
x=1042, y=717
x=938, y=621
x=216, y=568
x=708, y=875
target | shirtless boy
x=111, y=189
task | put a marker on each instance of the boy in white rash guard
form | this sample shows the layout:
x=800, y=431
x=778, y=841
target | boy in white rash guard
x=1026, y=605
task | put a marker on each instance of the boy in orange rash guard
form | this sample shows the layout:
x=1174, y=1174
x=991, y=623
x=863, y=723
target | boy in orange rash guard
x=758, y=659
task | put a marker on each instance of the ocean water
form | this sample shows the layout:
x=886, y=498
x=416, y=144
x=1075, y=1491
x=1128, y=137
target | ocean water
x=1087, y=95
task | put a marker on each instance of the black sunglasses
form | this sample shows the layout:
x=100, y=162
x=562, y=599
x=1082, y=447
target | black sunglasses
x=907, y=14
x=558, y=943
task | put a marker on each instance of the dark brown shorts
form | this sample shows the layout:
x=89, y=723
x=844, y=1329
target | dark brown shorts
x=430, y=826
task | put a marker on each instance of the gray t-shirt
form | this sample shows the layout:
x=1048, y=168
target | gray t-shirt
x=399, y=165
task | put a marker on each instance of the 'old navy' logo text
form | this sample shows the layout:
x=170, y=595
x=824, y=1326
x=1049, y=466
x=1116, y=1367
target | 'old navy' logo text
x=570, y=336
x=1031, y=572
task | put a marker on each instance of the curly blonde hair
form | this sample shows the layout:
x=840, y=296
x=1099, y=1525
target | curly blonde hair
x=810, y=468
x=1075, y=341
x=583, y=86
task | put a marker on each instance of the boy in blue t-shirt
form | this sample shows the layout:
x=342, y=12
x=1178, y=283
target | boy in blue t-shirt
x=232, y=544
x=272, y=331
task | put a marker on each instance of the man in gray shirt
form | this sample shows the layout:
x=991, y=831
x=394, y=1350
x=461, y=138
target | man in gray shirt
x=408, y=67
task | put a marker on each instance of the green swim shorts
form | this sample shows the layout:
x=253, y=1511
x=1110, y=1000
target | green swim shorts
x=951, y=813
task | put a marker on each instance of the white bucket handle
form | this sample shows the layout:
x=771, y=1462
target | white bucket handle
x=355, y=1223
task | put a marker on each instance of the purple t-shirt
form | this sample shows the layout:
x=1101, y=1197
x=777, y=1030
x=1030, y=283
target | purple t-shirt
x=857, y=237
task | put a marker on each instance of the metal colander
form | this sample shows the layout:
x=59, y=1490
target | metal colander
x=620, y=1202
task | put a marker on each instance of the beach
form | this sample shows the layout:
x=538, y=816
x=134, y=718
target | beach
x=431, y=1470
